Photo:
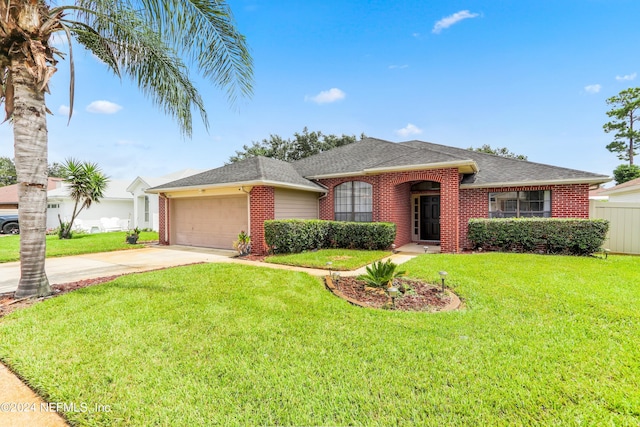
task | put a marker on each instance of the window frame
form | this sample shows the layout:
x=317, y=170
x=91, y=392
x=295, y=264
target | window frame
x=355, y=201
x=522, y=198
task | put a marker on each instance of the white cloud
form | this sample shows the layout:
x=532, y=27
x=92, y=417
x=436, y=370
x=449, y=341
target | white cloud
x=64, y=110
x=409, y=130
x=103, y=107
x=448, y=21
x=628, y=77
x=327, y=96
x=592, y=88
x=398, y=67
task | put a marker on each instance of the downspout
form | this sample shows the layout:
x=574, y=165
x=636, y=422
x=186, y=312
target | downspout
x=248, y=193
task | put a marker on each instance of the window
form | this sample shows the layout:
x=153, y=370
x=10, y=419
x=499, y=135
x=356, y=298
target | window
x=53, y=206
x=353, y=202
x=146, y=208
x=517, y=204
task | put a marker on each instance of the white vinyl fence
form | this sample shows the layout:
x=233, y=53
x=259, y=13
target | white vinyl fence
x=624, y=225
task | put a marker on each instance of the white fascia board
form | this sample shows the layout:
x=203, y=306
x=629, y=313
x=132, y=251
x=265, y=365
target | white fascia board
x=429, y=166
x=134, y=184
x=538, y=183
x=239, y=185
x=374, y=171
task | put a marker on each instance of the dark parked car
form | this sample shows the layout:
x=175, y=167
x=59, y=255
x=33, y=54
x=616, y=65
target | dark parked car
x=9, y=224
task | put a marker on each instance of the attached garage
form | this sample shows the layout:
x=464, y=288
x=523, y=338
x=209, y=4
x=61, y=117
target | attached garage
x=211, y=222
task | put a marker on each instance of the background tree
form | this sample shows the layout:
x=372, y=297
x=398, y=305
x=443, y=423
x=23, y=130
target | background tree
x=302, y=145
x=87, y=185
x=499, y=151
x=624, y=112
x=624, y=173
x=7, y=172
x=55, y=170
x=153, y=42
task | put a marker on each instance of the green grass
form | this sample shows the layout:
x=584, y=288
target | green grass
x=340, y=259
x=79, y=244
x=543, y=341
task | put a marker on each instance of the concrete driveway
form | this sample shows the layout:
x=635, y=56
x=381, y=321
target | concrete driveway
x=89, y=266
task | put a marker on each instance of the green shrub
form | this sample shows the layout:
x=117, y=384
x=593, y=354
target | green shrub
x=546, y=235
x=381, y=274
x=297, y=235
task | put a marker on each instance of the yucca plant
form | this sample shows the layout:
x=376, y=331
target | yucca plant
x=381, y=274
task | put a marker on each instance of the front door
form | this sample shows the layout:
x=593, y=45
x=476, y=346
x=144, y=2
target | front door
x=429, y=217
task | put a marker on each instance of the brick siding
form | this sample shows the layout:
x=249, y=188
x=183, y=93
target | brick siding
x=392, y=203
x=262, y=208
x=163, y=229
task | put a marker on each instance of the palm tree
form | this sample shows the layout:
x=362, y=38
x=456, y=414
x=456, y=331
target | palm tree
x=87, y=185
x=150, y=41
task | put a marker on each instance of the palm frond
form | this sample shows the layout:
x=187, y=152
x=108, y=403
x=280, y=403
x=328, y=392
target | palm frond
x=150, y=38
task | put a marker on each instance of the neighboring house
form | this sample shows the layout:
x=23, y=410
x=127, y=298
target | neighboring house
x=112, y=213
x=429, y=191
x=627, y=192
x=145, y=206
x=9, y=195
x=597, y=194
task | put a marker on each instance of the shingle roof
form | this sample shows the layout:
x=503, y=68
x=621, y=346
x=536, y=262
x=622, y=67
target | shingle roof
x=370, y=155
x=503, y=170
x=251, y=170
x=632, y=185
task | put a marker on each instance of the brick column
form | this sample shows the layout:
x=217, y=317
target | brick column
x=163, y=213
x=261, y=208
x=450, y=212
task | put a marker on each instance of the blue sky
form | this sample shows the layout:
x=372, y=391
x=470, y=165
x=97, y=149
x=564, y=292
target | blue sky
x=532, y=76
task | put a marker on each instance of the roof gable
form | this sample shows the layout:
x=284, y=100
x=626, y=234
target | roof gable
x=374, y=155
x=251, y=171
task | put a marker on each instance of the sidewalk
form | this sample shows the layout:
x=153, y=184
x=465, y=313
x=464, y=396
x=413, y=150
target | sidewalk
x=90, y=266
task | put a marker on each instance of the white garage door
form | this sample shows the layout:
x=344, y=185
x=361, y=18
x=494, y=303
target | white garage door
x=211, y=222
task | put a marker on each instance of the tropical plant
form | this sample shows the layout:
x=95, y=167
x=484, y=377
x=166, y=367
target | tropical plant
x=151, y=41
x=86, y=184
x=243, y=244
x=381, y=274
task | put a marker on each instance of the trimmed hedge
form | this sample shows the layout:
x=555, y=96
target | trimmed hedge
x=546, y=235
x=298, y=235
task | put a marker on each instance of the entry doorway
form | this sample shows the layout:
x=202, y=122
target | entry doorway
x=430, y=218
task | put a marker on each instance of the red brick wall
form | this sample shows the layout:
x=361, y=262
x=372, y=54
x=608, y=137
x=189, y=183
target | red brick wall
x=570, y=201
x=262, y=208
x=392, y=202
x=163, y=229
x=567, y=201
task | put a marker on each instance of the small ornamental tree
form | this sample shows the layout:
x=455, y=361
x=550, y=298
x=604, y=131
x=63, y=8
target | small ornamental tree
x=87, y=185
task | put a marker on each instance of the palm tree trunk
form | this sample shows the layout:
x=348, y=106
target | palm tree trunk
x=30, y=147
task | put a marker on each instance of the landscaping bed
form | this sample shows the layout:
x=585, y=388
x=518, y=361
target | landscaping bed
x=415, y=295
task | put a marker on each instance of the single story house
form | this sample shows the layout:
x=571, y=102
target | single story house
x=9, y=195
x=429, y=191
x=627, y=192
x=112, y=213
x=145, y=206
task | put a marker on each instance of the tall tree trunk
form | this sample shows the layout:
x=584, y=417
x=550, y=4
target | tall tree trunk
x=30, y=145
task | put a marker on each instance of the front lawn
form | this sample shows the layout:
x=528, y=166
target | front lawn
x=340, y=259
x=544, y=340
x=79, y=244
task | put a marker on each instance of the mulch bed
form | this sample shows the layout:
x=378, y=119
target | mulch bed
x=415, y=295
x=9, y=303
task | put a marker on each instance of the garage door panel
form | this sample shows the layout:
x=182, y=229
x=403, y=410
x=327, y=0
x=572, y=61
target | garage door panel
x=212, y=222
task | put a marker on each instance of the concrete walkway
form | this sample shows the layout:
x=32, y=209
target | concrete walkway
x=16, y=395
